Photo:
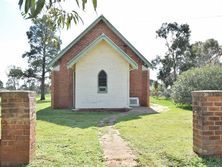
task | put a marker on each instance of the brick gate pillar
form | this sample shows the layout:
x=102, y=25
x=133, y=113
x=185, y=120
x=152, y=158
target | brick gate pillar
x=207, y=122
x=18, y=127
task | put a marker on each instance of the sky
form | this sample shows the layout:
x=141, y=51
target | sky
x=136, y=20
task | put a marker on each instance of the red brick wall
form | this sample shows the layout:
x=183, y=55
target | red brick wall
x=62, y=89
x=145, y=87
x=18, y=128
x=207, y=122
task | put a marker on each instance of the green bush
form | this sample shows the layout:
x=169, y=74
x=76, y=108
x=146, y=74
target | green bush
x=204, y=78
x=162, y=91
x=165, y=92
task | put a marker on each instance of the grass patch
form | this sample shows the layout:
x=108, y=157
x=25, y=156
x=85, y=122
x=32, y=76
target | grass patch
x=66, y=138
x=163, y=139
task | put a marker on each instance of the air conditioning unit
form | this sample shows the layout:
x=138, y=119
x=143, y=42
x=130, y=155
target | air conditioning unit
x=134, y=102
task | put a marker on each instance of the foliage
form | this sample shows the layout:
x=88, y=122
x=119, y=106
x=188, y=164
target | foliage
x=14, y=76
x=177, y=42
x=161, y=91
x=54, y=9
x=163, y=139
x=204, y=53
x=165, y=71
x=181, y=56
x=165, y=92
x=15, y=72
x=204, y=78
x=30, y=80
x=1, y=85
x=44, y=45
x=30, y=85
x=156, y=88
x=11, y=85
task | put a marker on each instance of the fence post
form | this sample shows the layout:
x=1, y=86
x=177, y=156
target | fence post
x=18, y=127
x=207, y=122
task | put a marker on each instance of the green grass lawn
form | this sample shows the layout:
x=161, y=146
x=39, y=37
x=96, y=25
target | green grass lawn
x=66, y=138
x=163, y=139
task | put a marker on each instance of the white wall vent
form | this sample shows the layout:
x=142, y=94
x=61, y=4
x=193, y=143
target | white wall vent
x=134, y=102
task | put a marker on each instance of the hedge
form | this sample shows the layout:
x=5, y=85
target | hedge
x=204, y=78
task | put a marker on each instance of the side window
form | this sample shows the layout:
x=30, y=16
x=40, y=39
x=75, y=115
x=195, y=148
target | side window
x=102, y=82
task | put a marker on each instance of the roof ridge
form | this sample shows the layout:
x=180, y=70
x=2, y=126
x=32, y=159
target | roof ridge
x=101, y=17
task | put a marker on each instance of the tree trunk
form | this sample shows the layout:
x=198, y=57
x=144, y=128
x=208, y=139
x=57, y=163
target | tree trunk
x=43, y=78
x=174, y=72
x=174, y=67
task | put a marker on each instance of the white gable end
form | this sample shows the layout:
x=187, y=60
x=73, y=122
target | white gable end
x=102, y=57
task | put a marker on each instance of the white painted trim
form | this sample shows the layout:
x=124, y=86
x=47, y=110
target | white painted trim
x=74, y=60
x=128, y=87
x=73, y=90
x=145, y=61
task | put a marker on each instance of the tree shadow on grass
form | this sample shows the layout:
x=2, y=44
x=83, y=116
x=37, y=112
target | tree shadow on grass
x=43, y=101
x=172, y=160
x=133, y=115
x=212, y=161
x=184, y=107
x=67, y=117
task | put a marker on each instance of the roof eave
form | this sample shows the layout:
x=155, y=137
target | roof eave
x=145, y=61
x=74, y=42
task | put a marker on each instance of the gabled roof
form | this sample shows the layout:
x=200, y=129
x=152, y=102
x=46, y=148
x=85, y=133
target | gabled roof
x=145, y=61
x=94, y=43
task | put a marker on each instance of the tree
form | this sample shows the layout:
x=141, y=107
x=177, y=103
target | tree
x=10, y=84
x=44, y=45
x=207, y=52
x=17, y=76
x=30, y=85
x=1, y=85
x=177, y=42
x=14, y=76
x=156, y=88
x=54, y=9
x=165, y=71
x=30, y=80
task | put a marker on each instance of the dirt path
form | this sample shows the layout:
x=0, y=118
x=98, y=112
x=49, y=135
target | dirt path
x=159, y=108
x=116, y=151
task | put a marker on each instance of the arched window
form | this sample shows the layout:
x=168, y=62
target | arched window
x=102, y=82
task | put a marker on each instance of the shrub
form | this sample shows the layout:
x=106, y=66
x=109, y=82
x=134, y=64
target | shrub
x=204, y=78
x=162, y=91
x=165, y=92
